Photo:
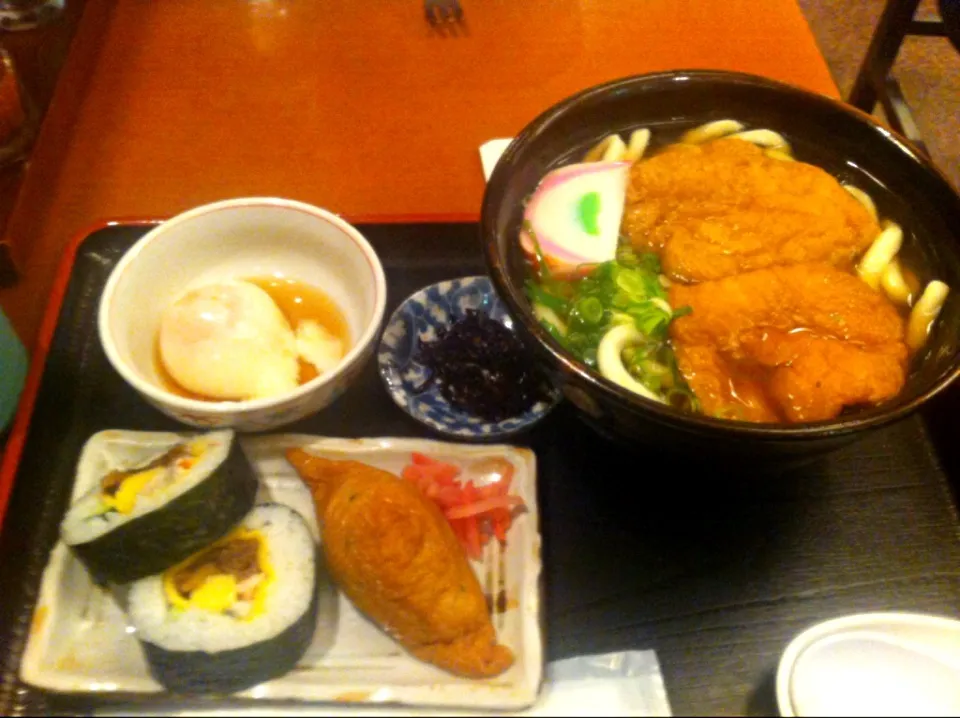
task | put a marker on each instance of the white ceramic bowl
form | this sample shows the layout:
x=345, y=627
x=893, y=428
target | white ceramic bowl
x=233, y=239
x=873, y=664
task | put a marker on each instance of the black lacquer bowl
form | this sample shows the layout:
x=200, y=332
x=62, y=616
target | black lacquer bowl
x=906, y=187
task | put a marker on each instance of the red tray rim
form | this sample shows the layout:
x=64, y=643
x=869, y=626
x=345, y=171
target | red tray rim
x=20, y=429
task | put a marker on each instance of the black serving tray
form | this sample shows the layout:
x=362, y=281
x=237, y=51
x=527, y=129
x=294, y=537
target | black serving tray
x=715, y=571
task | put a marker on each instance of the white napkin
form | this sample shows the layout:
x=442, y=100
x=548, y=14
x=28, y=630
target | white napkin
x=613, y=684
x=490, y=154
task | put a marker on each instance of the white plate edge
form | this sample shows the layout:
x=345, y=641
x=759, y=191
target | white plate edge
x=531, y=630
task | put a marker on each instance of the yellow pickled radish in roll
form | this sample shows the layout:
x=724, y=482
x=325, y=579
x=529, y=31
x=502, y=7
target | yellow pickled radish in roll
x=237, y=613
x=120, y=490
x=231, y=576
x=158, y=498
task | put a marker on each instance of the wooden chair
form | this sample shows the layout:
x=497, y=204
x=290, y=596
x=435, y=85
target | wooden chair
x=875, y=83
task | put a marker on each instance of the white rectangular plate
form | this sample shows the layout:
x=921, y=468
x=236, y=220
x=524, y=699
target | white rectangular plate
x=81, y=641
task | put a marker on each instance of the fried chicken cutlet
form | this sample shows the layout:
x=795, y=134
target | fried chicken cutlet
x=724, y=207
x=795, y=343
x=396, y=558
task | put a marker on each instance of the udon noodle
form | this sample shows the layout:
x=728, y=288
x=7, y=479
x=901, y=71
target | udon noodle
x=610, y=314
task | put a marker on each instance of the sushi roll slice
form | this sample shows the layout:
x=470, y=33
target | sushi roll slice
x=238, y=613
x=157, y=499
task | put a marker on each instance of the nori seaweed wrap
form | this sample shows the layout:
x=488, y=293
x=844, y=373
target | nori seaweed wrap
x=236, y=614
x=157, y=499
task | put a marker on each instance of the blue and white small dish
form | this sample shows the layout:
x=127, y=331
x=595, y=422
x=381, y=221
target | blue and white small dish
x=421, y=317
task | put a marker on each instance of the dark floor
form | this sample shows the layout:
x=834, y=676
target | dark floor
x=928, y=69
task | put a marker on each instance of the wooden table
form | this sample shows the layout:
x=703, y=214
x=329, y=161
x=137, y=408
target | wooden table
x=361, y=108
x=38, y=56
x=357, y=107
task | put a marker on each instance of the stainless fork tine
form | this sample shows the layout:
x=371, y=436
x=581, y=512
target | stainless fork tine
x=433, y=11
x=442, y=11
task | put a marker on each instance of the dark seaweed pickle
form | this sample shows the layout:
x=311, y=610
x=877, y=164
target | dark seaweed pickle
x=482, y=368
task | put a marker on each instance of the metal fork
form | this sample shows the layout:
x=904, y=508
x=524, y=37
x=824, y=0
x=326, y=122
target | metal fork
x=442, y=11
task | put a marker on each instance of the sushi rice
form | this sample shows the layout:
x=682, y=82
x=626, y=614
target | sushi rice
x=288, y=595
x=96, y=514
x=153, y=499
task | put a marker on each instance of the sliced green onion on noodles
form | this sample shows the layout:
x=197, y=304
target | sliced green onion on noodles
x=610, y=361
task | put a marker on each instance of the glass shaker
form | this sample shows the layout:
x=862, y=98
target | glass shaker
x=28, y=14
x=18, y=121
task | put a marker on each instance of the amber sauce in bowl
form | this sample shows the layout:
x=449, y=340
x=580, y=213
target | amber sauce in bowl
x=298, y=302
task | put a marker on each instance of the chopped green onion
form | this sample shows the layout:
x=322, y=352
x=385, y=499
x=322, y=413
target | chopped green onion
x=631, y=282
x=663, y=305
x=651, y=366
x=652, y=382
x=682, y=398
x=546, y=315
x=625, y=254
x=585, y=268
x=591, y=310
x=650, y=262
x=538, y=295
x=642, y=352
x=628, y=293
x=650, y=322
x=653, y=287
x=553, y=331
x=543, y=270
